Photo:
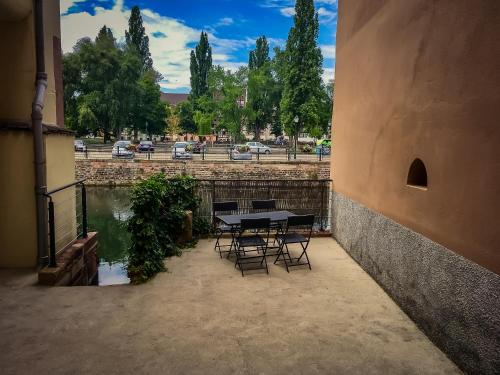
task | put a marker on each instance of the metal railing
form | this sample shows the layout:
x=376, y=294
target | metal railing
x=216, y=153
x=67, y=217
x=298, y=196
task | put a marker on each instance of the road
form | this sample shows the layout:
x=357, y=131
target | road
x=212, y=155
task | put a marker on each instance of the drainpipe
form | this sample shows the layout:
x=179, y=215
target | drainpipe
x=36, y=122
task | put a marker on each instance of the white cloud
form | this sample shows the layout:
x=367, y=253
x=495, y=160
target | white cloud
x=288, y=11
x=170, y=53
x=287, y=8
x=226, y=21
x=326, y=15
x=328, y=51
x=328, y=74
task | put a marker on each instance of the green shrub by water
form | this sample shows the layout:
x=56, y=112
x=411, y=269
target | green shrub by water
x=158, y=211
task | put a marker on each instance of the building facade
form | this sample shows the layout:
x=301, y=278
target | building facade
x=31, y=106
x=416, y=163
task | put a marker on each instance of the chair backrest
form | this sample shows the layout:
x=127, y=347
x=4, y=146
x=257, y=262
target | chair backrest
x=306, y=221
x=269, y=204
x=259, y=223
x=225, y=206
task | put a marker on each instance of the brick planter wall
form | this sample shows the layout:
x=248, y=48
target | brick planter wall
x=126, y=172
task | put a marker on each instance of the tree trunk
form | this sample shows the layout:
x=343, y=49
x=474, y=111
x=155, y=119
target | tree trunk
x=135, y=134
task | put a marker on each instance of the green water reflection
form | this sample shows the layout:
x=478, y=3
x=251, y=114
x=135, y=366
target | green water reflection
x=108, y=209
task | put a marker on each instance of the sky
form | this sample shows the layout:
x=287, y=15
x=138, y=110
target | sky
x=174, y=27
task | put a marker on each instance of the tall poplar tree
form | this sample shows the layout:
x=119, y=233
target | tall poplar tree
x=261, y=88
x=300, y=103
x=200, y=65
x=136, y=38
x=260, y=55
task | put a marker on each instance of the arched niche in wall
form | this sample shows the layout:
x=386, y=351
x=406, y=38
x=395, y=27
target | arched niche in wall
x=417, y=174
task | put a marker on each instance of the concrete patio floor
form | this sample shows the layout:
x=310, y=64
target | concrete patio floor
x=202, y=317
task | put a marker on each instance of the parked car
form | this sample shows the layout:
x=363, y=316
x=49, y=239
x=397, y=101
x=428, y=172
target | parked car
x=181, y=150
x=323, y=149
x=146, y=146
x=197, y=147
x=257, y=147
x=122, y=149
x=80, y=145
x=241, y=152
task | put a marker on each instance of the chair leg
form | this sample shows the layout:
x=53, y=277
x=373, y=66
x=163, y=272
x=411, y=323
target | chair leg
x=280, y=252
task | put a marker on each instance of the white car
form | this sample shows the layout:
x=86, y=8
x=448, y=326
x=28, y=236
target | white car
x=179, y=150
x=121, y=149
x=257, y=147
x=80, y=146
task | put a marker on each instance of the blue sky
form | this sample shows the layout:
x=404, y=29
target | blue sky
x=174, y=27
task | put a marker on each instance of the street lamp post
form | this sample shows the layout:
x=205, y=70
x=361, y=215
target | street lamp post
x=296, y=120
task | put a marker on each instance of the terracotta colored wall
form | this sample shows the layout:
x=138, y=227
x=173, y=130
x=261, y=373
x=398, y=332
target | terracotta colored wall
x=421, y=78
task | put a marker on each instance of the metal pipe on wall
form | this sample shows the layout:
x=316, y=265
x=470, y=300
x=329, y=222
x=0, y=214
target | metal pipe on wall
x=37, y=128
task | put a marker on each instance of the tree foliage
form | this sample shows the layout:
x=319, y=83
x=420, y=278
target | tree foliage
x=186, y=117
x=137, y=39
x=302, y=91
x=262, y=89
x=228, y=89
x=200, y=66
x=260, y=56
x=110, y=87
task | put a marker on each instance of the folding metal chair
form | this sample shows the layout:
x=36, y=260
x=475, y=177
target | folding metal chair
x=292, y=236
x=255, y=241
x=219, y=228
x=264, y=205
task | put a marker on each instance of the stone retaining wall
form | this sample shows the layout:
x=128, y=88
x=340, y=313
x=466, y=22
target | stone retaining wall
x=126, y=172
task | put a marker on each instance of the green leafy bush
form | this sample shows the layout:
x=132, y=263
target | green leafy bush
x=307, y=148
x=243, y=149
x=159, y=205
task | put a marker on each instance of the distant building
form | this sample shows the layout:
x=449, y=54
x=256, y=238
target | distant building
x=173, y=99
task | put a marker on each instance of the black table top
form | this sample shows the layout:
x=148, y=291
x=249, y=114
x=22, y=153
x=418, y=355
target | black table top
x=274, y=216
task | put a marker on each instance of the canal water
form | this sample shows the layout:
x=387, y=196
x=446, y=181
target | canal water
x=108, y=210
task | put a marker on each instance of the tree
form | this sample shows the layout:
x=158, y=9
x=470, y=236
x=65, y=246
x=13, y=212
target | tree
x=260, y=55
x=150, y=112
x=300, y=103
x=185, y=111
x=137, y=39
x=278, y=64
x=173, y=123
x=261, y=89
x=200, y=65
x=229, y=89
x=107, y=88
x=205, y=114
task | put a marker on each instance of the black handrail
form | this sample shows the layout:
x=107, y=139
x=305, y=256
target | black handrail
x=52, y=235
x=47, y=194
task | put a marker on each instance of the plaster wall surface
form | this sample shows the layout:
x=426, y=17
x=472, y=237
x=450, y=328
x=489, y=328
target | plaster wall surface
x=60, y=169
x=18, y=62
x=17, y=48
x=420, y=79
x=17, y=200
x=453, y=300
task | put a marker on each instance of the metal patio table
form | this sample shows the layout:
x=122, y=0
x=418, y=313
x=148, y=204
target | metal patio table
x=234, y=221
